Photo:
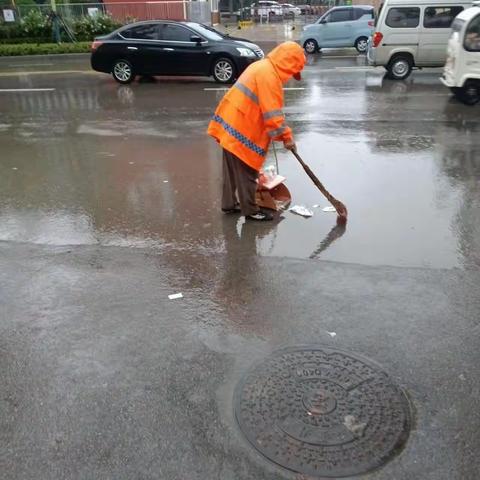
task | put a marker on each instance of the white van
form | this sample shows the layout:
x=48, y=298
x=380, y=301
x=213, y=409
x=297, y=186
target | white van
x=462, y=70
x=412, y=33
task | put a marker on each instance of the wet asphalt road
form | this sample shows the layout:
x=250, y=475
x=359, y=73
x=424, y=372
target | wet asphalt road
x=109, y=201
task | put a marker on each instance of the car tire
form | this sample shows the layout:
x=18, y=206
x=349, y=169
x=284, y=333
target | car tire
x=224, y=70
x=399, y=67
x=469, y=94
x=122, y=72
x=311, y=46
x=361, y=44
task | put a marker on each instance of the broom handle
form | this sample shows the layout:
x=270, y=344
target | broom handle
x=316, y=181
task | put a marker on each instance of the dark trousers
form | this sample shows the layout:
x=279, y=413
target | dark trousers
x=238, y=179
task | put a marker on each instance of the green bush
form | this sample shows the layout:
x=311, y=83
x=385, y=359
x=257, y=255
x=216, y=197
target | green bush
x=44, y=48
x=10, y=31
x=14, y=41
x=35, y=25
x=87, y=28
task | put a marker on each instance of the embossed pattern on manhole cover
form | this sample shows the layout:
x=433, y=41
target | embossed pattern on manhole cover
x=322, y=412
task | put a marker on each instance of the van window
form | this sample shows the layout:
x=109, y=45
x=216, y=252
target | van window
x=340, y=16
x=403, y=17
x=472, y=36
x=440, y=17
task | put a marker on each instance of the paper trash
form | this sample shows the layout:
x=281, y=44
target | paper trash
x=174, y=296
x=301, y=210
x=329, y=209
x=332, y=334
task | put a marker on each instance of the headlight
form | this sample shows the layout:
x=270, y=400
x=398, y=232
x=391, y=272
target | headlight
x=246, y=52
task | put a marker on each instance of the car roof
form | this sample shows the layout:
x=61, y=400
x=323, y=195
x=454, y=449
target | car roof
x=367, y=7
x=418, y=3
x=147, y=22
x=469, y=13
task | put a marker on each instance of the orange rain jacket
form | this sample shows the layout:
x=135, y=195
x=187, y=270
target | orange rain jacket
x=250, y=114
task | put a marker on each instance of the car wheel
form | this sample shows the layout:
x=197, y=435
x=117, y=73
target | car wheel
x=311, y=46
x=122, y=72
x=399, y=67
x=469, y=94
x=361, y=44
x=224, y=70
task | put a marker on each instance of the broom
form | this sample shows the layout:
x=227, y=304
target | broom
x=337, y=204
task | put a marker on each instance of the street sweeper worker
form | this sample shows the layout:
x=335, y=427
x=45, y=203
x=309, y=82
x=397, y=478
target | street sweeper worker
x=247, y=119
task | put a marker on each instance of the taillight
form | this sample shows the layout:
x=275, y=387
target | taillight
x=377, y=38
x=95, y=45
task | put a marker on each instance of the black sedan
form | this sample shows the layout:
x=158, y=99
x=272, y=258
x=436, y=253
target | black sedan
x=172, y=48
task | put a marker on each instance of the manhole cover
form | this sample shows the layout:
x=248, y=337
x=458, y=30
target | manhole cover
x=322, y=412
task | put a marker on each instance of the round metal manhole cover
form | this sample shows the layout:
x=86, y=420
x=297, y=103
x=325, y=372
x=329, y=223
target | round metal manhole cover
x=322, y=412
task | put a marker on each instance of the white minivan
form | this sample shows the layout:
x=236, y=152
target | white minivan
x=462, y=70
x=412, y=33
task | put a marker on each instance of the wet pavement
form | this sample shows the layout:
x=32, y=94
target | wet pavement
x=109, y=201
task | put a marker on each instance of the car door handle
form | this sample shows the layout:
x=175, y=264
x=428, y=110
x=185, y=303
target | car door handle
x=132, y=48
x=168, y=49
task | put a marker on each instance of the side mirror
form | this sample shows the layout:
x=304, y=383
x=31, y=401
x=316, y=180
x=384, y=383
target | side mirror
x=196, y=39
x=323, y=21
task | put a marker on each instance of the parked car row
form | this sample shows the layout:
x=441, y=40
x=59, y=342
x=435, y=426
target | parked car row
x=405, y=34
x=267, y=8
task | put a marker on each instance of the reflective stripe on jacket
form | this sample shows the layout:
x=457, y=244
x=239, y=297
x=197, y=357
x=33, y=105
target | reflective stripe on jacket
x=250, y=114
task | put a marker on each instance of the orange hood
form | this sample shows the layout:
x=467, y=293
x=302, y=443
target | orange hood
x=288, y=59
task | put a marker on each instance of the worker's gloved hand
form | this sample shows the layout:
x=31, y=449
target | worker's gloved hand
x=290, y=145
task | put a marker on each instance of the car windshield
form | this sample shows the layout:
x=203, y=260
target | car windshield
x=207, y=32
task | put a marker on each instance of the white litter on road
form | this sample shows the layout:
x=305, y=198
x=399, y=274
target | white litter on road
x=316, y=206
x=301, y=210
x=329, y=209
x=174, y=296
x=14, y=168
x=332, y=334
x=165, y=181
x=352, y=424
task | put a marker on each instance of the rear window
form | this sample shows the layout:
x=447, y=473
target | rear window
x=175, y=33
x=360, y=12
x=340, y=16
x=403, y=17
x=472, y=36
x=142, y=32
x=440, y=17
